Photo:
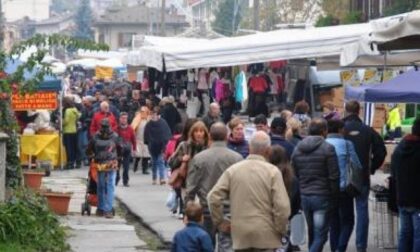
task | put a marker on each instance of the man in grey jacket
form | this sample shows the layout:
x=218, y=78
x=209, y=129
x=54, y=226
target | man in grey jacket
x=316, y=167
x=207, y=168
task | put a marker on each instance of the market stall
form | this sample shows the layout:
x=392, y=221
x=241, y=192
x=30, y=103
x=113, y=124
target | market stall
x=40, y=140
x=171, y=54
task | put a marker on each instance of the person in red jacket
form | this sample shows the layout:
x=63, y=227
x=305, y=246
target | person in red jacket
x=128, y=139
x=95, y=126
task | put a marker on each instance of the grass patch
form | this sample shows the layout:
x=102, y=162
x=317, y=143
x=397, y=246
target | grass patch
x=14, y=247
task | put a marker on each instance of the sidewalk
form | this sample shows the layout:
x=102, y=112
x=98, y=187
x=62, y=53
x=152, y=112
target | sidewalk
x=91, y=233
x=147, y=202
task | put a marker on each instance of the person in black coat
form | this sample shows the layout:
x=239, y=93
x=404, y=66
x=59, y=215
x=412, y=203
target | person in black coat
x=156, y=135
x=169, y=113
x=371, y=151
x=277, y=135
x=315, y=164
x=405, y=171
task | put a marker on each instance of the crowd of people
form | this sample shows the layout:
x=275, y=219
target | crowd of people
x=242, y=192
x=248, y=195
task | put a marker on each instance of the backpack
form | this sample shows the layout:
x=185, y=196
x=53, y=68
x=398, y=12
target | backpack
x=171, y=147
x=354, y=182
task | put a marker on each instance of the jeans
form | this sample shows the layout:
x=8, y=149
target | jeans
x=82, y=143
x=409, y=230
x=224, y=240
x=362, y=223
x=341, y=223
x=105, y=190
x=178, y=192
x=316, y=209
x=158, y=164
x=70, y=144
x=125, y=165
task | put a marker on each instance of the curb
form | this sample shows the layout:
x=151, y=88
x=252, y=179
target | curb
x=167, y=244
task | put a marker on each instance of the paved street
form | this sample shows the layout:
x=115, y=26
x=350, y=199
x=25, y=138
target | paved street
x=91, y=233
x=147, y=203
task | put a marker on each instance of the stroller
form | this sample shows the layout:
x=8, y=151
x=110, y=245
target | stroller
x=91, y=197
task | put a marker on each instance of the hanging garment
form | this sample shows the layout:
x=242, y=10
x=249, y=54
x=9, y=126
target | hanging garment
x=202, y=80
x=240, y=82
x=258, y=84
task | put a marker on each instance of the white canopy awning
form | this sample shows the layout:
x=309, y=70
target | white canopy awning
x=394, y=36
x=261, y=47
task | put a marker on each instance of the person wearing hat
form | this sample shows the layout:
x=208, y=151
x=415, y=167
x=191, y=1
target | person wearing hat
x=278, y=130
x=104, y=149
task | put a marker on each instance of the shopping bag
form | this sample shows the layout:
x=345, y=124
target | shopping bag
x=171, y=201
x=298, y=230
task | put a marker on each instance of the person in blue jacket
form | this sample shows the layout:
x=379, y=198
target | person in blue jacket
x=193, y=237
x=342, y=217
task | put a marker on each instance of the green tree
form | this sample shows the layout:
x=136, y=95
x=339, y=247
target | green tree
x=16, y=83
x=83, y=20
x=402, y=6
x=228, y=16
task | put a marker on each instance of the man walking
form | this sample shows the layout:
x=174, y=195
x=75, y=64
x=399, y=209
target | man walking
x=316, y=167
x=95, y=126
x=104, y=148
x=213, y=115
x=370, y=149
x=128, y=146
x=406, y=174
x=156, y=135
x=258, y=199
x=207, y=168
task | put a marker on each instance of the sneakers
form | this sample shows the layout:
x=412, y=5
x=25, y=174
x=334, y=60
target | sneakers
x=180, y=216
x=162, y=182
x=109, y=215
x=99, y=212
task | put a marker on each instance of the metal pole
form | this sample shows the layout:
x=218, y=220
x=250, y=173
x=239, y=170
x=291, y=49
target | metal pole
x=162, y=19
x=60, y=135
x=257, y=15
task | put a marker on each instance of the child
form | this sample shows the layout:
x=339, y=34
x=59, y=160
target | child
x=193, y=237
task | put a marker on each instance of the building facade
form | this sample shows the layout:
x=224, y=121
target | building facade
x=118, y=25
x=33, y=9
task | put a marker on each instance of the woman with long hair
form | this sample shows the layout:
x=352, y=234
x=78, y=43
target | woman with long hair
x=197, y=141
x=142, y=152
x=279, y=158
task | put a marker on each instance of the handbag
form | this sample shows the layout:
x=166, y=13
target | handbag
x=178, y=176
x=354, y=181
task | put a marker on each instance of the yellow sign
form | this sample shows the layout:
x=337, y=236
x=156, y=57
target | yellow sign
x=39, y=100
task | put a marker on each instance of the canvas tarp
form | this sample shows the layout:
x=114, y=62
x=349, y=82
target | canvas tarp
x=404, y=88
x=260, y=47
x=397, y=36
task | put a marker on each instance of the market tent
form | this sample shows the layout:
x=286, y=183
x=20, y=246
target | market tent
x=107, y=68
x=260, y=47
x=101, y=55
x=403, y=88
x=398, y=36
x=50, y=83
x=85, y=63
